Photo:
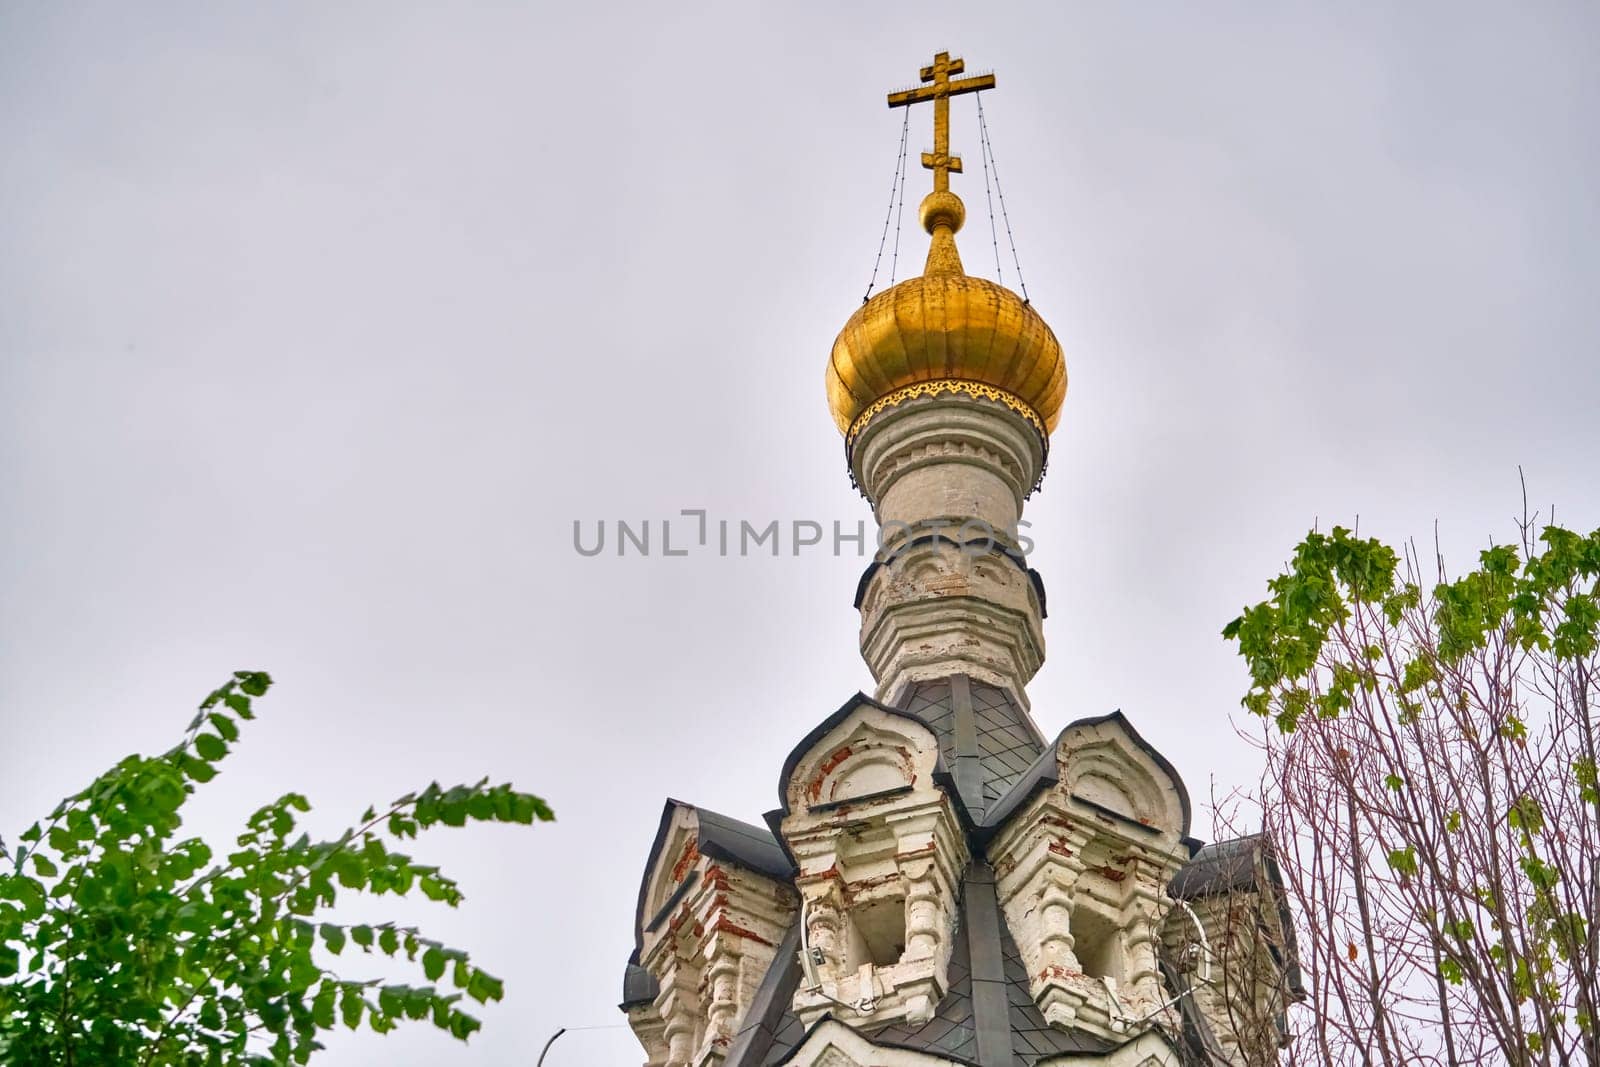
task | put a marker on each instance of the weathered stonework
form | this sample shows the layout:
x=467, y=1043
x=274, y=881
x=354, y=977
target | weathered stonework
x=1234, y=893
x=947, y=476
x=880, y=851
x=1082, y=871
x=710, y=933
x=903, y=461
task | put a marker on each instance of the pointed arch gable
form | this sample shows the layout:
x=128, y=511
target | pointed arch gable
x=865, y=749
x=677, y=832
x=1105, y=762
x=687, y=832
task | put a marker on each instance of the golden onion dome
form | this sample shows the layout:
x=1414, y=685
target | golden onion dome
x=945, y=332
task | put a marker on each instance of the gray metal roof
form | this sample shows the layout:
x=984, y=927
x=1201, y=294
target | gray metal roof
x=1220, y=867
x=639, y=986
x=739, y=842
x=719, y=837
x=1245, y=864
x=985, y=737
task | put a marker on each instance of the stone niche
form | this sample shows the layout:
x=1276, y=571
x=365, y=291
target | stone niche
x=880, y=851
x=1082, y=863
x=714, y=905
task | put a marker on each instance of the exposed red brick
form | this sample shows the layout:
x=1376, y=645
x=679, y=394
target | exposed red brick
x=717, y=877
x=691, y=852
x=814, y=787
x=728, y=926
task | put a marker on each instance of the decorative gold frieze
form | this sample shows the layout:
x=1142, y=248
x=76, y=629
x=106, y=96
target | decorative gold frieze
x=976, y=390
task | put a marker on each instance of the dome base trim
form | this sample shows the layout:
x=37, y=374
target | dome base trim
x=955, y=387
x=976, y=390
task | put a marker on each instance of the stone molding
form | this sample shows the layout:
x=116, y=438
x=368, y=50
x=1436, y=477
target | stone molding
x=880, y=851
x=903, y=461
x=937, y=608
x=1081, y=873
x=947, y=476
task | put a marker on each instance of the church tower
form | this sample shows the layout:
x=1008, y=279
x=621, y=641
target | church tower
x=941, y=882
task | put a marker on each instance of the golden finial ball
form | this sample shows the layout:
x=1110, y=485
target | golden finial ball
x=942, y=208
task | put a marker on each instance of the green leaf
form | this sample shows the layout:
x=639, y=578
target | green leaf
x=433, y=964
x=224, y=726
x=1584, y=772
x=43, y=866
x=484, y=987
x=392, y=999
x=1526, y=815
x=419, y=1002
x=199, y=770
x=361, y=935
x=1404, y=861
x=253, y=682
x=333, y=937
x=526, y=808
x=1540, y=874
x=322, y=1007
x=351, y=1006
x=210, y=747
x=28, y=893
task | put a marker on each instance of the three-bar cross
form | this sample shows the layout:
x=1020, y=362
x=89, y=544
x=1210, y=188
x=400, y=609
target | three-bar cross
x=940, y=161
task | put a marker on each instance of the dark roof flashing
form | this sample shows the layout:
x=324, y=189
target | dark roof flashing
x=639, y=986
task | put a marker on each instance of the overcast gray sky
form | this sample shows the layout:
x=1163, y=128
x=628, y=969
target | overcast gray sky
x=321, y=323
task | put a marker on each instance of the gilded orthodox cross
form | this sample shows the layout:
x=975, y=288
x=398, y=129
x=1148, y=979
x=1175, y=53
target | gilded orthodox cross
x=940, y=161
